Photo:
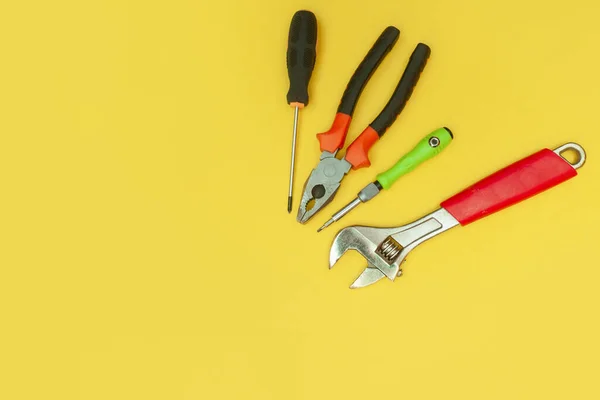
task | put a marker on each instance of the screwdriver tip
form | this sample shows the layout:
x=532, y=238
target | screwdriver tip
x=325, y=225
x=289, y=204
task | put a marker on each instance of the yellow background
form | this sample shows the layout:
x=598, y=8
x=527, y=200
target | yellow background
x=145, y=250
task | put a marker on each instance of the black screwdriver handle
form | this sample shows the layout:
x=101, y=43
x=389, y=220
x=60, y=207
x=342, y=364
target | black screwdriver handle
x=365, y=70
x=404, y=90
x=301, y=56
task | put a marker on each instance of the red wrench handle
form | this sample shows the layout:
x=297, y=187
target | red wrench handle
x=510, y=185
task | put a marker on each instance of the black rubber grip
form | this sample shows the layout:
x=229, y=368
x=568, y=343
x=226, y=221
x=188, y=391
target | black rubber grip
x=404, y=90
x=301, y=55
x=365, y=70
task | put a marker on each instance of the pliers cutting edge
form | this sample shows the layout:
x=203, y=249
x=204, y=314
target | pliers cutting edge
x=324, y=181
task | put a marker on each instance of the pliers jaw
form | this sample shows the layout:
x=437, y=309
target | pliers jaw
x=322, y=185
x=386, y=248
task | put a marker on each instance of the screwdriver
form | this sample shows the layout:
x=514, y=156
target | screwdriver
x=427, y=148
x=301, y=56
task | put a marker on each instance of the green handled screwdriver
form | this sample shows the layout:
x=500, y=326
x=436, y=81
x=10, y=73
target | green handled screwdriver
x=427, y=148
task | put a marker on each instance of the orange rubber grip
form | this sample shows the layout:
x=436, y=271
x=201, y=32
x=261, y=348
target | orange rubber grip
x=335, y=137
x=358, y=151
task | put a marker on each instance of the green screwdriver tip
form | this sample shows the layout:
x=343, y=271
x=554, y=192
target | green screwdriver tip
x=325, y=225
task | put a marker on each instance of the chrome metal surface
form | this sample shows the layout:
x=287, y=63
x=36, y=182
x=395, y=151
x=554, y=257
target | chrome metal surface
x=576, y=148
x=295, y=135
x=368, y=241
x=340, y=214
x=368, y=192
x=347, y=208
x=434, y=141
x=368, y=277
x=326, y=224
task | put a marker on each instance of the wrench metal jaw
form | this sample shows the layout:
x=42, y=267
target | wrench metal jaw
x=322, y=185
x=386, y=248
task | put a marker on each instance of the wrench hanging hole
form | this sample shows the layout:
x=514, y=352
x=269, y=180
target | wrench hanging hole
x=571, y=156
x=572, y=153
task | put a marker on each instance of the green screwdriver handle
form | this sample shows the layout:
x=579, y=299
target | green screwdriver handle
x=428, y=147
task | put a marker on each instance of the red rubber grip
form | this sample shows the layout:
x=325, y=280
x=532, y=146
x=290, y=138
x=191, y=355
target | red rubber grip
x=335, y=137
x=515, y=183
x=358, y=152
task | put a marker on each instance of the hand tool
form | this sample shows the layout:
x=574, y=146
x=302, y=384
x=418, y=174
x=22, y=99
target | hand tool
x=386, y=248
x=428, y=147
x=301, y=57
x=324, y=180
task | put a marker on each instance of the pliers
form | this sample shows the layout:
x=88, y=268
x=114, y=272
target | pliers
x=324, y=180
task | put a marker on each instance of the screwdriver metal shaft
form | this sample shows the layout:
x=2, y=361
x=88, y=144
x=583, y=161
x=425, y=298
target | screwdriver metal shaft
x=340, y=214
x=301, y=57
x=295, y=135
